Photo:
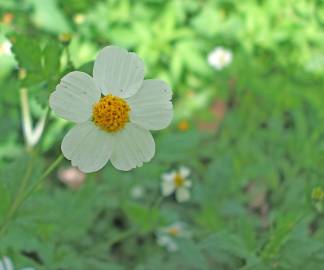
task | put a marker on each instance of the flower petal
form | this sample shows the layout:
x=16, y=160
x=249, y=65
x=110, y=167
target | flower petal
x=151, y=106
x=172, y=246
x=168, y=176
x=167, y=188
x=74, y=97
x=88, y=147
x=133, y=146
x=184, y=171
x=118, y=72
x=182, y=194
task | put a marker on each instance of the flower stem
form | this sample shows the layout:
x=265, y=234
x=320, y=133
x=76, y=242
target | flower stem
x=21, y=197
x=51, y=168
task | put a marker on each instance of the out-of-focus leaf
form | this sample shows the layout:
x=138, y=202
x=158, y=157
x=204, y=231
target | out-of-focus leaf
x=47, y=15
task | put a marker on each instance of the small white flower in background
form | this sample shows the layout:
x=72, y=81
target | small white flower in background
x=72, y=177
x=5, y=48
x=220, y=58
x=166, y=237
x=114, y=112
x=6, y=264
x=177, y=182
x=79, y=18
x=137, y=192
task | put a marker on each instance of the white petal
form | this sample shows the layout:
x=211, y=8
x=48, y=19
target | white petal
x=184, y=171
x=74, y=97
x=162, y=240
x=133, y=146
x=172, y=246
x=182, y=194
x=167, y=188
x=151, y=106
x=168, y=176
x=118, y=72
x=88, y=147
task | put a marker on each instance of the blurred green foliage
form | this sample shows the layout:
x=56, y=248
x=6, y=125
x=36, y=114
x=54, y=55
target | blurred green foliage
x=254, y=140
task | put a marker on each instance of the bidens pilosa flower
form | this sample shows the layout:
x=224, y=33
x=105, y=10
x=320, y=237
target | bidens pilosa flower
x=220, y=58
x=113, y=111
x=178, y=182
x=166, y=236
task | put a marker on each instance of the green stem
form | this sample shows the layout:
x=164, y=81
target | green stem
x=18, y=194
x=37, y=183
x=21, y=198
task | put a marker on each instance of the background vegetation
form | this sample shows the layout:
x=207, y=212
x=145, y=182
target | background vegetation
x=251, y=134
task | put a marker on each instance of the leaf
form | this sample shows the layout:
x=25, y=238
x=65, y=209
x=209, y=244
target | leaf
x=27, y=51
x=52, y=53
x=5, y=200
x=87, y=67
x=192, y=255
x=42, y=64
x=48, y=16
x=301, y=253
x=144, y=217
x=225, y=242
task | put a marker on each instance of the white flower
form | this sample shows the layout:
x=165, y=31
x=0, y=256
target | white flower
x=220, y=58
x=176, y=181
x=166, y=237
x=113, y=111
x=5, y=48
x=6, y=264
x=137, y=192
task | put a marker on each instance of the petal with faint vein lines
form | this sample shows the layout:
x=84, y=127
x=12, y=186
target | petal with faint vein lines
x=151, y=106
x=74, y=97
x=134, y=145
x=118, y=72
x=88, y=147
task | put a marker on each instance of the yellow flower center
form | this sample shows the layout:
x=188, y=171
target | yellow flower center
x=174, y=231
x=110, y=113
x=178, y=180
x=318, y=194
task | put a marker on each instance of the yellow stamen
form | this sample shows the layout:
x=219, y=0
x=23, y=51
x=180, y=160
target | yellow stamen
x=110, y=113
x=174, y=231
x=318, y=194
x=178, y=180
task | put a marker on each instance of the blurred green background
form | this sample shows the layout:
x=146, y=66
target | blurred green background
x=251, y=134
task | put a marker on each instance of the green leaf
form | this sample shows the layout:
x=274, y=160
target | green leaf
x=192, y=255
x=52, y=53
x=144, y=217
x=49, y=16
x=27, y=51
x=225, y=242
x=5, y=200
x=42, y=64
